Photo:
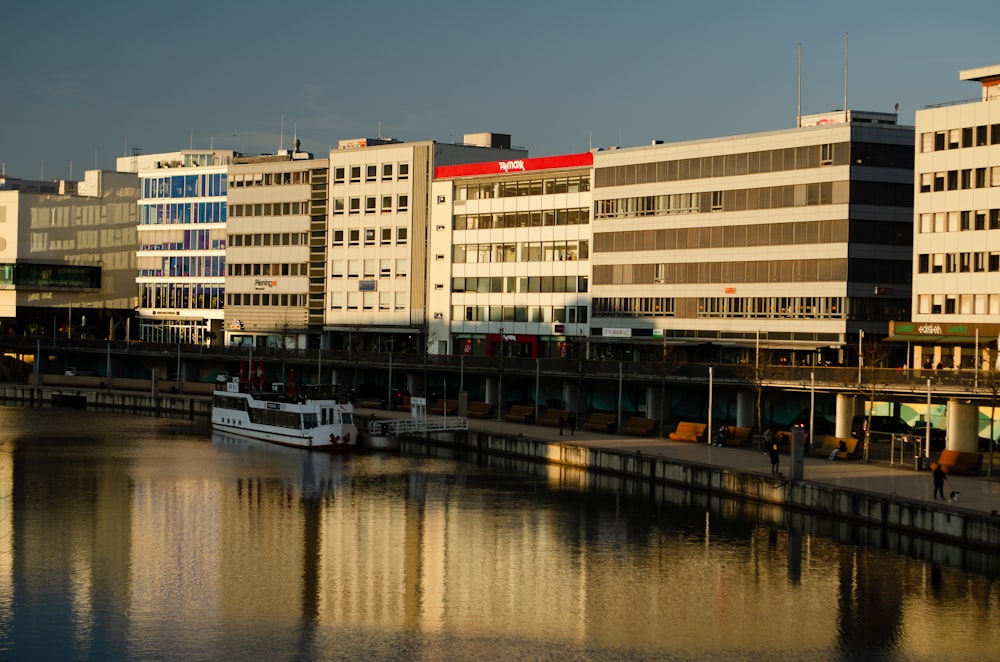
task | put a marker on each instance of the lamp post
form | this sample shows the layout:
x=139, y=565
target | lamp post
x=861, y=360
x=500, y=379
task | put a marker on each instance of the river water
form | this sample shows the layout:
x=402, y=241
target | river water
x=131, y=538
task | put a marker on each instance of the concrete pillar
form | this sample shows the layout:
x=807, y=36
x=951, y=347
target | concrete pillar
x=956, y=358
x=963, y=426
x=744, y=408
x=658, y=405
x=571, y=396
x=490, y=390
x=848, y=406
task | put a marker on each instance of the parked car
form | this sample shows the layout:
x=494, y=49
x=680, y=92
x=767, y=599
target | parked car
x=882, y=427
x=77, y=372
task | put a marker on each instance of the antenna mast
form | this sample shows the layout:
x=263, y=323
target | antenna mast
x=845, y=77
x=798, y=106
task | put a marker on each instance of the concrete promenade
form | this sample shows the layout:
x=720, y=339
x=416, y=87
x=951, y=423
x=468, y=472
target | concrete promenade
x=978, y=494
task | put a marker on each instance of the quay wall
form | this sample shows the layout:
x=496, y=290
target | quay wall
x=890, y=513
x=123, y=401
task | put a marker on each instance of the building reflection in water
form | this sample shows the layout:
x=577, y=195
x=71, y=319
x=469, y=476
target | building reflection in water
x=146, y=545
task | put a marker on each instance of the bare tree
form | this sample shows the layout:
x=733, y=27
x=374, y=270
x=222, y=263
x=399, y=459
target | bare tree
x=872, y=382
x=757, y=371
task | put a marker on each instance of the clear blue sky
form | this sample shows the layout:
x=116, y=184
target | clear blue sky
x=81, y=81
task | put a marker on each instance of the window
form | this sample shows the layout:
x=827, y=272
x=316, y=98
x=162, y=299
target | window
x=369, y=236
x=371, y=172
x=404, y=171
x=354, y=237
x=386, y=203
x=338, y=175
x=353, y=268
x=402, y=267
x=337, y=268
x=401, y=235
x=336, y=300
x=355, y=205
x=386, y=236
x=370, y=204
x=386, y=171
x=369, y=268
x=385, y=268
x=404, y=202
x=356, y=173
x=338, y=206
x=338, y=237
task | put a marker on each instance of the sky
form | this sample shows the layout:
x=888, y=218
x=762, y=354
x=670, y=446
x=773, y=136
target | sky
x=82, y=83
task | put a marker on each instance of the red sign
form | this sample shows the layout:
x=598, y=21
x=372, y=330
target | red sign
x=468, y=347
x=515, y=165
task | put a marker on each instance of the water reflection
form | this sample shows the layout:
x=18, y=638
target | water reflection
x=151, y=539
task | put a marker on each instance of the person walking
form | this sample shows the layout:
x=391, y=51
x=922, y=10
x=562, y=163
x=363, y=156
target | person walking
x=562, y=424
x=772, y=451
x=571, y=419
x=939, y=478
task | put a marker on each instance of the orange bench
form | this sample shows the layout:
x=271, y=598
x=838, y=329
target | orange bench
x=686, y=431
x=960, y=463
x=830, y=442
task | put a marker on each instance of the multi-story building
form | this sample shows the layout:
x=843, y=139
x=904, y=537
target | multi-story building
x=956, y=231
x=795, y=240
x=182, y=244
x=378, y=236
x=67, y=255
x=509, y=257
x=276, y=250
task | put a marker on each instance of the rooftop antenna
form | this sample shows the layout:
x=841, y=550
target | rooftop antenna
x=845, y=77
x=191, y=140
x=281, y=141
x=380, y=129
x=798, y=108
x=295, y=136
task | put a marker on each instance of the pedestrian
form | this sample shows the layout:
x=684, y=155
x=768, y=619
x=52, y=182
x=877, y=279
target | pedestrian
x=939, y=478
x=562, y=424
x=841, y=448
x=773, y=452
x=572, y=423
x=768, y=438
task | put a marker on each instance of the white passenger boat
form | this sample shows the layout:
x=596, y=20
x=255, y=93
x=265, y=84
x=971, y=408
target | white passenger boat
x=313, y=418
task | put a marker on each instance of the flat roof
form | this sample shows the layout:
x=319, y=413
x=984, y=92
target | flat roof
x=980, y=73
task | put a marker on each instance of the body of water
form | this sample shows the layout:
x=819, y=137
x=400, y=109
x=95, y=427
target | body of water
x=135, y=538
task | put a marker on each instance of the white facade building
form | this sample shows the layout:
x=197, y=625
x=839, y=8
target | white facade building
x=378, y=237
x=509, y=249
x=956, y=236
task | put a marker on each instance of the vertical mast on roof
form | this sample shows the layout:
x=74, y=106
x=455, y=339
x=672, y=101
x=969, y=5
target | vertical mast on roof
x=798, y=106
x=845, y=77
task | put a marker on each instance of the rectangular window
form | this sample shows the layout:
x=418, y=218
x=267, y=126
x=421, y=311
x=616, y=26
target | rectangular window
x=402, y=268
x=355, y=205
x=338, y=206
x=386, y=236
x=404, y=171
x=370, y=204
x=338, y=237
x=354, y=237
x=371, y=172
x=386, y=203
x=403, y=202
x=356, y=173
x=386, y=171
x=369, y=236
x=338, y=175
x=401, y=234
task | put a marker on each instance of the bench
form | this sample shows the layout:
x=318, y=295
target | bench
x=519, y=414
x=599, y=422
x=551, y=417
x=639, y=426
x=444, y=407
x=829, y=442
x=686, y=431
x=738, y=436
x=479, y=410
x=960, y=463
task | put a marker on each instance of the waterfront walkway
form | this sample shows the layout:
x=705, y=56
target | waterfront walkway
x=977, y=493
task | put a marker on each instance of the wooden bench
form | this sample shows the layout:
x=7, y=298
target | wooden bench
x=551, y=417
x=479, y=410
x=599, y=422
x=829, y=442
x=686, y=431
x=444, y=407
x=639, y=426
x=960, y=463
x=738, y=436
x=519, y=414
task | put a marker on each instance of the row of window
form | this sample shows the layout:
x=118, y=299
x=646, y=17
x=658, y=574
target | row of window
x=733, y=236
x=280, y=269
x=522, y=219
x=366, y=268
x=969, y=136
x=270, y=209
x=632, y=306
x=384, y=301
x=959, y=180
x=48, y=276
x=385, y=236
x=189, y=296
x=822, y=270
x=270, y=239
x=254, y=179
x=519, y=284
x=521, y=187
x=750, y=163
x=371, y=172
x=182, y=212
x=950, y=263
x=182, y=240
x=965, y=304
x=957, y=221
x=524, y=251
x=773, y=307
x=272, y=300
x=529, y=314
x=211, y=185
x=208, y=266
x=402, y=203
